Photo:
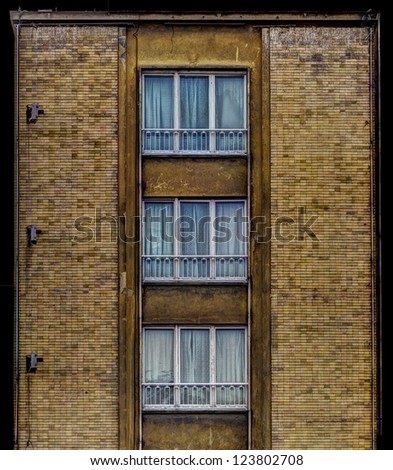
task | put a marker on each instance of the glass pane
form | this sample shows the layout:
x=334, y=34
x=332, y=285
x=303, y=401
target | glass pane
x=194, y=356
x=158, y=224
x=230, y=356
x=158, y=105
x=194, y=237
x=230, y=228
x=229, y=102
x=194, y=228
x=158, y=356
x=230, y=367
x=158, y=240
x=194, y=102
x=231, y=240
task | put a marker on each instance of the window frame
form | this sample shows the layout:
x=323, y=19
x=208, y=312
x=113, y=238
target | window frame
x=213, y=384
x=212, y=256
x=201, y=72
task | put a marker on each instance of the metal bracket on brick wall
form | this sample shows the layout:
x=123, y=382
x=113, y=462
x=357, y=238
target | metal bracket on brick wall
x=32, y=363
x=32, y=112
x=32, y=233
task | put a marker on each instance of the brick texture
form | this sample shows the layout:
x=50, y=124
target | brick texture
x=321, y=297
x=321, y=294
x=68, y=285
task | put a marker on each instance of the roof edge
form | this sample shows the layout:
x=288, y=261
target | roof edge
x=23, y=17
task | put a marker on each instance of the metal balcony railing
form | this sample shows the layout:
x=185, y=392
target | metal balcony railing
x=171, y=267
x=194, y=141
x=194, y=395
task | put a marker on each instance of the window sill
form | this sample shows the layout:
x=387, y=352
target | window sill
x=196, y=411
x=194, y=155
x=190, y=282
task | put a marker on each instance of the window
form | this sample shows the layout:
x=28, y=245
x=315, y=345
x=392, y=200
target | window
x=194, y=240
x=186, y=113
x=194, y=368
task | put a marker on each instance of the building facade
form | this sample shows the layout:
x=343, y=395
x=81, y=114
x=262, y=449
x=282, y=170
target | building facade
x=196, y=232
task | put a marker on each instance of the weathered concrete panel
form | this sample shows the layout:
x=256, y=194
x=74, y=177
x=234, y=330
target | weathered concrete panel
x=195, y=177
x=196, y=46
x=195, y=304
x=195, y=431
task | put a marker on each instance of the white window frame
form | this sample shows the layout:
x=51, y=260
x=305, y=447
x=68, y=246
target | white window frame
x=212, y=386
x=177, y=257
x=211, y=132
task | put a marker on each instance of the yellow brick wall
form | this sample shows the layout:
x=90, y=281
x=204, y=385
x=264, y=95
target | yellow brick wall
x=321, y=294
x=68, y=290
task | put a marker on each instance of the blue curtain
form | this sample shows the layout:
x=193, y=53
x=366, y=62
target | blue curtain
x=194, y=113
x=158, y=367
x=194, y=102
x=158, y=356
x=230, y=366
x=158, y=113
x=194, y=239
x=230, y=239
x=158, y=102
x=229, y=102
x=158, y=240
x=195, y=366
x=194, y=356
x=230, y=356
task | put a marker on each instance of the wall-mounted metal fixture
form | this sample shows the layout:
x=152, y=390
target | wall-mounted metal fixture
x=32, y=112
x=32, y=363
x=32, y=234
